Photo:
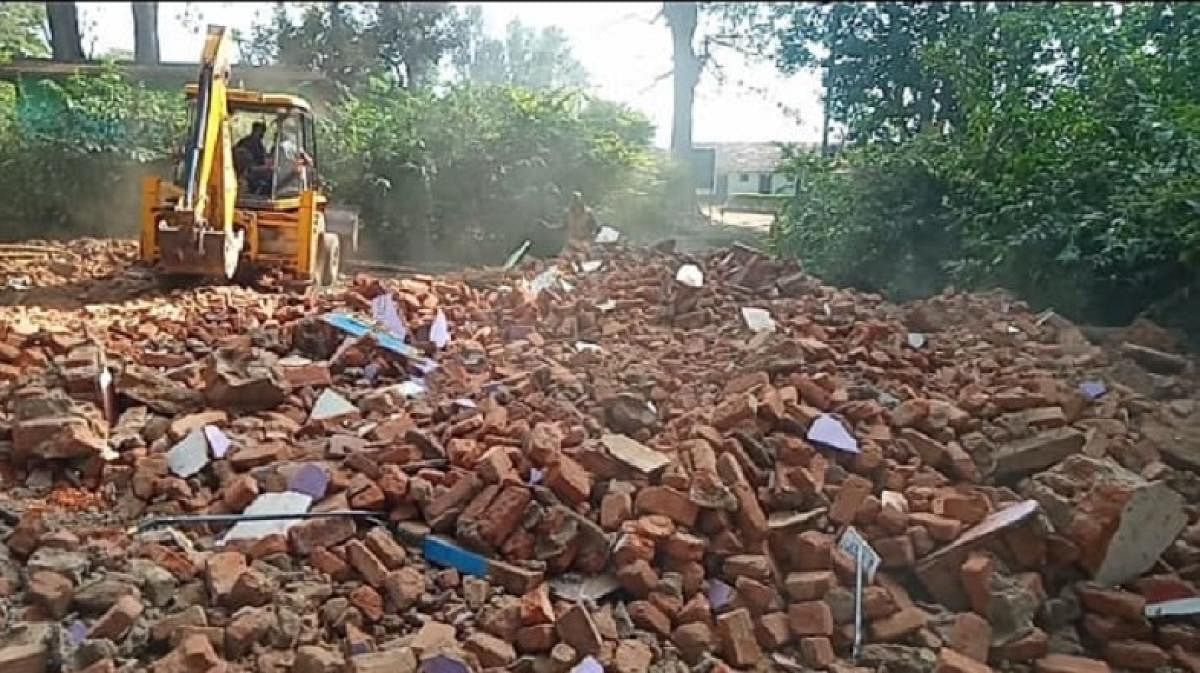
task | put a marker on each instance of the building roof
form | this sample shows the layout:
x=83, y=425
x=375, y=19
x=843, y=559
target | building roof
x=751, y=157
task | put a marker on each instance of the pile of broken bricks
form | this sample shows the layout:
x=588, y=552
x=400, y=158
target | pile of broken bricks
x=625, y=470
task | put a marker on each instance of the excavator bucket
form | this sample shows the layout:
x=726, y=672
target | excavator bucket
x=202, y=252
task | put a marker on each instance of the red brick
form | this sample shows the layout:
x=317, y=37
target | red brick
x=114, y=624
x=329, y=563
x=51, y=592
x=240, y=492
x=811, y=585
x=647, y=616
x=222, y=572
x=504, y=514
x=897, y=626
x=756, y=596
x=694, y=640
x=1184, y=635
x=1032, y=645
x=697, y=609
x=638, y=578
x=404, y=587
x=491, y=651
x=850, y=496
x=976, y=574
x=382, y=544
x=536, y=607
x=569, y=480
x=950, y=661
x=878, y=603
x=368, y=601
x=668, y=502
x=1065, y=663
x=735, y=629
x=811, y=618
x=577, y=629
x=971, y=635
x=536, y=638
x=1185, y=659
x=1159, y=588
x=1135, y=655
x=817, y=652
x=734, y=410
x=896, y=552
x=813, y=551
x=1107, y=629
x=1112, y=602
x=969, y=508
x=941, y=528
x=631, y=547
x=615, y=508
x=684, y=547
x=368, y=565
x=323, y=532
x=773, y=631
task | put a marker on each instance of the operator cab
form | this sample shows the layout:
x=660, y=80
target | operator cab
x=274, y=147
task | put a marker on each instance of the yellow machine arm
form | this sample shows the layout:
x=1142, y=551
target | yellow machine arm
x=210, y=183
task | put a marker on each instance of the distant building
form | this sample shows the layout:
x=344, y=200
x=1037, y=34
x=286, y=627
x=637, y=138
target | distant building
x=743, y=168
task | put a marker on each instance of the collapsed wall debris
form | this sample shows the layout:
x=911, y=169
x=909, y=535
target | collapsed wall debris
x=604, y=467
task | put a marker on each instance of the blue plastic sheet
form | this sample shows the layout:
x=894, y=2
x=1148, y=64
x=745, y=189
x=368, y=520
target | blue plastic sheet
x=358, y=327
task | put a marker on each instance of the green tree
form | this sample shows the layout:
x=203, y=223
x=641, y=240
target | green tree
x=22, y=30
x=537, y=59
x=403, y=42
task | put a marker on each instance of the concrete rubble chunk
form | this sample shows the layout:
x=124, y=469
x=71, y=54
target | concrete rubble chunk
x=1026, y=456
x=1121, y=523
x=158, y=392
x=634, y=454
x=238, y=380
x=287, y=502
x=189, y=455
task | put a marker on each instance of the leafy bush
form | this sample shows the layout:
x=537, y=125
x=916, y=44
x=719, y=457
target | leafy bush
x=72, y=155
x=470, y=173
x=1072, y=177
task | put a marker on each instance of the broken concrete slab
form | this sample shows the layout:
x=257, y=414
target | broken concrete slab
x=330, y=406
x=1120, y=521
x=634, y=454
x=269, y=503
x=1023, y=457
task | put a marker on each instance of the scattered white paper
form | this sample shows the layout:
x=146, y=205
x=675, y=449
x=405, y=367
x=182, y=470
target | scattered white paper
x=544, y=280
x=828, y=311
x=1013, y=330
x=916, y=339
x=287, y=502
x=758, y=319
x=829, y=431
x=591, y=265
x=690, y=275
x=439, y=331
x=466, y=403
x=582, y=346
x=218, y=442
x=606, y=305
x=384, y=312
x=330, y=405
x=411, y=388
x=189, y=455
x=607, y=235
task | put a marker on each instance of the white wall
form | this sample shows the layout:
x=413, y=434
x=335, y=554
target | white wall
x=748, y=183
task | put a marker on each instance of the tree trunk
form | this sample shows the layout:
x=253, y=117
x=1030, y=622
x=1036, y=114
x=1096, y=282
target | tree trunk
x=682, y=18
x=65, y=42
x=145, y=32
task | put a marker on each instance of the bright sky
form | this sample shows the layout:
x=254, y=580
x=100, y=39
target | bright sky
x=626, y=52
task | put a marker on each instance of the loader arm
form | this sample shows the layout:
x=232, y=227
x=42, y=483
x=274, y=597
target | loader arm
x=210, y=185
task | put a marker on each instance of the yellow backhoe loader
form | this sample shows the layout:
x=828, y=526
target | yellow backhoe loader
x=239, y=205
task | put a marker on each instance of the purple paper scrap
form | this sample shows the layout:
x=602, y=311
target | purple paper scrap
x=588, y=665
x=719, y=594
x=310, y=480
x=1093, y=389
x=444, y=663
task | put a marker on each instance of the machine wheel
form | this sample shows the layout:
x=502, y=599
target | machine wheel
x=329, y=259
